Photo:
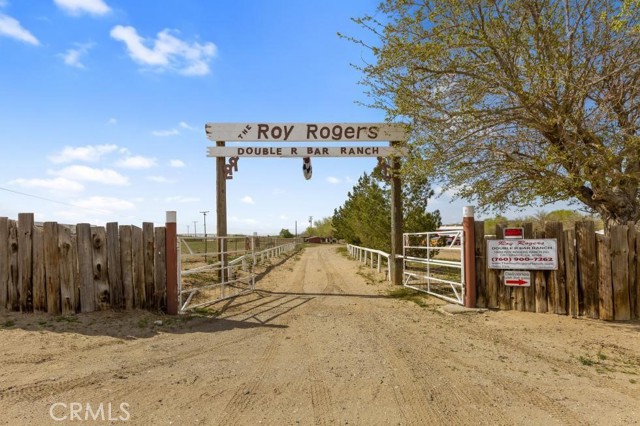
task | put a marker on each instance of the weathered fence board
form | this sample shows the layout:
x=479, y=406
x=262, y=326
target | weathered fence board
x=492, y=283
x=25, y=260
x=127, y=265
x=540, y=279
x=13, y=292
x=160, y=271
x=85, y=266
x=559, y=287
x=114, y=268
x=99, y=266
x=52, y=267
x=39, y=279
x=68, y=270
x=620, y=272
x=587, y=271
x=5, y=263
x=147, y=241
x=638, y=276
x=633, y=262
x=137, y=259
x=605, y=285
x=570, y=265
x=480, y=262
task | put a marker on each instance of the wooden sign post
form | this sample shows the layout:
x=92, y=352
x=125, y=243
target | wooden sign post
x=396, y=134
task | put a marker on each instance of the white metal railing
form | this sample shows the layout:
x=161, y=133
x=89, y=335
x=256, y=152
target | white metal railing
x=371, y=256
x=434, y=263
x=234, y=279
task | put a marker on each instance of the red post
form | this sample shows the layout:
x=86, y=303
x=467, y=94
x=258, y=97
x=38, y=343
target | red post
x=469, y=257
x=171, y=246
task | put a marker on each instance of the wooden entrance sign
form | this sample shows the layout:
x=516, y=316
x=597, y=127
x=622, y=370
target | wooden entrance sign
x=395, y=134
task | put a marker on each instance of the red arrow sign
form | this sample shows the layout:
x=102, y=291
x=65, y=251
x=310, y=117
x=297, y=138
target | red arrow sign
x=517, y=282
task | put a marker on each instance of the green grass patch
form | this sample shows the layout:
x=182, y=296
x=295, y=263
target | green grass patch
x=405, y=293
x=586, y=361
x=8, y=323
x=206, y=312
x=67, y=318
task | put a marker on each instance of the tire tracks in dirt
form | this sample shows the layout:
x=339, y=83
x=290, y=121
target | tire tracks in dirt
x=245, y=395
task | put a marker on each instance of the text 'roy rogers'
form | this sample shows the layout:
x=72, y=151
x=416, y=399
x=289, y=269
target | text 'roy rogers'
x=271, y=132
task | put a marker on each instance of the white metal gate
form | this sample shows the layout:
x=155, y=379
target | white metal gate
x=228, y=271
x=434, y=263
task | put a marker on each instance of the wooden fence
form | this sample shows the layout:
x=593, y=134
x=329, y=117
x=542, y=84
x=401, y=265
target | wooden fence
x=67, y=269
x=598, y=276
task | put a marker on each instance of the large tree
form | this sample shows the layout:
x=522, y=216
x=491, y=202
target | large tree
x=517, y=101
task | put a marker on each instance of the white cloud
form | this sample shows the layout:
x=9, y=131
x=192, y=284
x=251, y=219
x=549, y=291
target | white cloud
x=78, y=7
x=247, y=200
x=84, y=173
x=333, y=180
x=105, y=203
x=112, y=121
x=181, y=199
x=90, y=153
x=168, y=52
x=176, y=163
x=72, y=56
x=163, y=133
x=186, y=126
x=283, y=217
x=137, y=162
x=159, y=179
x=10, y=27
x=57, y=184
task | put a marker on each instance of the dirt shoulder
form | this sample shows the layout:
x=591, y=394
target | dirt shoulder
x=321, y=342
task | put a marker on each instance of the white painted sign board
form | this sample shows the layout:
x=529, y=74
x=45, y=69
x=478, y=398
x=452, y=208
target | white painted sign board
x=517, y=278
x=305, y=151
x=532, y=254
x=305, y=132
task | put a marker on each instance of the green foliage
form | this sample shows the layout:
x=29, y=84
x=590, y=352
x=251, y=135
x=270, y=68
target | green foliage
x=516, y=102
x=365, y=217
x=321, y=228
x=285, y=233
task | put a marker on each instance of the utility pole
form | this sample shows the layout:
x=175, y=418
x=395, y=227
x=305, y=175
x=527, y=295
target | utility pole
x=188, y=231
x=195, y=233
x=204, y=214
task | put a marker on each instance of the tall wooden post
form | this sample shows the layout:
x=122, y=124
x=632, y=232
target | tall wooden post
x=468, y=227
x=171, y=247
x=397, y=225
x=221, y=210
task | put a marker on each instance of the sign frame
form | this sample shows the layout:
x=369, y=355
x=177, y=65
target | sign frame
x=525, y=254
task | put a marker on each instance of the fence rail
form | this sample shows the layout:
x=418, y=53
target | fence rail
x=371, y=256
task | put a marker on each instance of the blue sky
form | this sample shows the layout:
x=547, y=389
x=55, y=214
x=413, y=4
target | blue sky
x=104, y=104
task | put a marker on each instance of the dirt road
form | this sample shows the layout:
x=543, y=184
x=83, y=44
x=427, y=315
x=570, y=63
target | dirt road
x=321, y=343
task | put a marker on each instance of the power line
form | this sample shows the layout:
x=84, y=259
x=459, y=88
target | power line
x=69, y=204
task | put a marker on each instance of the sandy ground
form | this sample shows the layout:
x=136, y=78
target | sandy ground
x=321, y=343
